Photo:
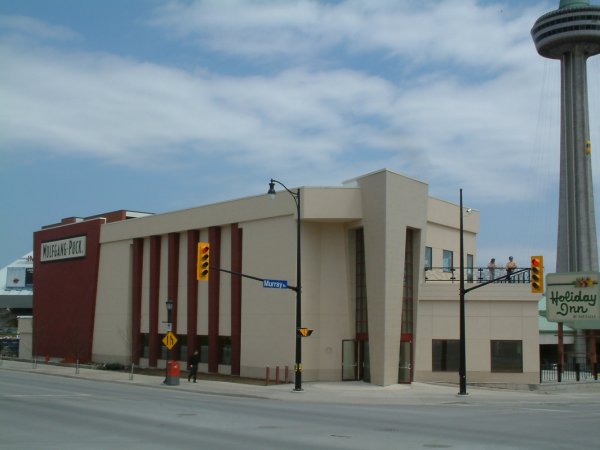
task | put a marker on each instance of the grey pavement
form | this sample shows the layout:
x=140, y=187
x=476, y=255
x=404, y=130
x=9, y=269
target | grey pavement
x=349, y=392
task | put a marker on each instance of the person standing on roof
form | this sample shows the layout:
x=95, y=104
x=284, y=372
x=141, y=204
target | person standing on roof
x=492, y=269
x=511, y=265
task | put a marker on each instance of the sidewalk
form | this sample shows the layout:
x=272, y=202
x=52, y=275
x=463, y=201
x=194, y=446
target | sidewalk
x=348, y=392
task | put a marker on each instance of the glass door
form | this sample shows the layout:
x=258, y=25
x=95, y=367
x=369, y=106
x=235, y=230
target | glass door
x=356, y=364
x=349, y=360
x=364, y=361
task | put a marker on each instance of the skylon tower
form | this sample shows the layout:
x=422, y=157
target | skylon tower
x=572, y=34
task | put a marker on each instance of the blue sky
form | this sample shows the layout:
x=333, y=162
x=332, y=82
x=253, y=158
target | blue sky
x=159, y=105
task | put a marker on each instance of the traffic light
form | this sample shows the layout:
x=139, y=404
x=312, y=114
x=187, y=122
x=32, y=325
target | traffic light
x=537, y=274
x=304, y=332
x=203, y=265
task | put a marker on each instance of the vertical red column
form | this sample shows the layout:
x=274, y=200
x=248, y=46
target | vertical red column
x=214, y=238
x=173, y=284
x=192, y=290
x=136, y=300
x=236, y=298
x=153, y=338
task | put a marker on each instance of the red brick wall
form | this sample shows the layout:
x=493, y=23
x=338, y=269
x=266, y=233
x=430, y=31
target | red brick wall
x=64, y=298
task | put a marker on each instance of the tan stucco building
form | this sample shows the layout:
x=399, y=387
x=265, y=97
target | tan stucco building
x=379, y=288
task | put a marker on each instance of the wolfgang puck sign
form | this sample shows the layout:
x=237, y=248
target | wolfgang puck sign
x=69, y=248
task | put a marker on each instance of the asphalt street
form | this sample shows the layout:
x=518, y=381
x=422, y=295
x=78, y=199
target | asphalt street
x=57, y=408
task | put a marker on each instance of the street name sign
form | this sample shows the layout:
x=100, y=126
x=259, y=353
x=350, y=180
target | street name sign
x=276, y=284
x=572, y=297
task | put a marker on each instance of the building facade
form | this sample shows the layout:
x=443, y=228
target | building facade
x=16, y=296
x=379, y=288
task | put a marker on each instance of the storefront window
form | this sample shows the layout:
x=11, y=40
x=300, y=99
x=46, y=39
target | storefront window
x=507, y=356
x=180, y=350
x=203, y=348
x=145, y=347
x=225, y=350
x=445, y=354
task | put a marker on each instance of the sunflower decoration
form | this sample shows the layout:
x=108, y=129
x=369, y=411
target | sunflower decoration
x=585, y=282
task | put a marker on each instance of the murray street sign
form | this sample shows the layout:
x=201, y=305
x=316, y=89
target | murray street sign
x=276, y=284
x=572, y=297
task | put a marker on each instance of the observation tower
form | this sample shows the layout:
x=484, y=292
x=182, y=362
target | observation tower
x=572, y=34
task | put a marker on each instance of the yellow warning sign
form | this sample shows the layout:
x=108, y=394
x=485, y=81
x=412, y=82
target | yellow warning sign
x=304, y=332
x=170, y=340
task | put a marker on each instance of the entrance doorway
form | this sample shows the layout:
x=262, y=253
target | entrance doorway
x=356, y=364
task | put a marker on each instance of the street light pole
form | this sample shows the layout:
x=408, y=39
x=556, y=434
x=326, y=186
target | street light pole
x=298, y=289
x=462, y=370
x=169, y=304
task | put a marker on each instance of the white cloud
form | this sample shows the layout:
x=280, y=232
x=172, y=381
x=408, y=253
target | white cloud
x=28, y=26
x=465, y=114
x=464, y=32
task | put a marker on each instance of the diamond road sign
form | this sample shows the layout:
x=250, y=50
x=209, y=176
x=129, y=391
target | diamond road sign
x=276, y=284
x=169, y=340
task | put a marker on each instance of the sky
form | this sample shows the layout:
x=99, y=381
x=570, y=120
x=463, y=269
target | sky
x=161, y=105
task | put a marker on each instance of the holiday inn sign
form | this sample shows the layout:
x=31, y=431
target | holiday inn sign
x=572, y=297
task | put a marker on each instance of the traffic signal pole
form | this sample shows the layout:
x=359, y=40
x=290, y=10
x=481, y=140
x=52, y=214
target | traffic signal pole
x=462, y=368
x=503, y=277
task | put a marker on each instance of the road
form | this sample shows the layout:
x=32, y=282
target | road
x=42, y=411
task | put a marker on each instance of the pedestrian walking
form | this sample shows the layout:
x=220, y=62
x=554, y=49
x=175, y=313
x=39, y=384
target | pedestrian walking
x=193, y=366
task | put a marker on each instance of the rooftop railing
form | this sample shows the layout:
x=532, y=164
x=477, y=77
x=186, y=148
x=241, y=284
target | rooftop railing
x=477, y=275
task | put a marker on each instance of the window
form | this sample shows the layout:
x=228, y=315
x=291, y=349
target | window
x=408, y=299
x=469, y=268
x=225, y=350
x=180, y=350
x=361, y=285
x=428, y=258
x=448, y=260
x=145, y=346
x=202, y=348
x=507, y=356
x=445, y=355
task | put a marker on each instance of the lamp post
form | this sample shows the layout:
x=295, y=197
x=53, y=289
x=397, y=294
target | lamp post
x=298, y=289
x=169, y=304
x=462, y=369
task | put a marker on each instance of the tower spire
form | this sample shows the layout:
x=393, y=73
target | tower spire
x=572, y=35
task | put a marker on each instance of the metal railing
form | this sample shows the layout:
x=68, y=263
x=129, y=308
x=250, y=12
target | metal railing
x=552, y=372
x=476, y=275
